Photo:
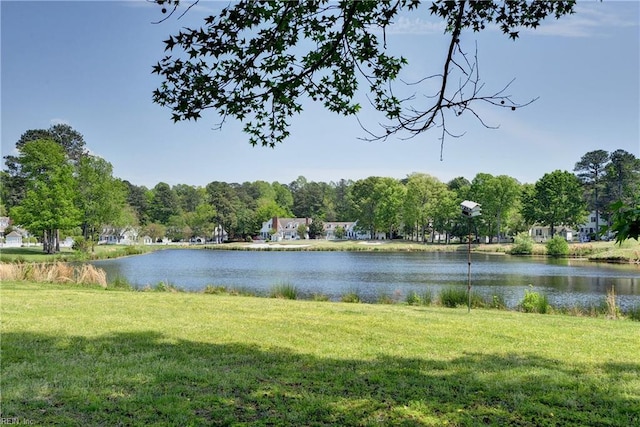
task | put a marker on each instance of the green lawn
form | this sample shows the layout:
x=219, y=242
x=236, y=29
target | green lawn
x=85, y=356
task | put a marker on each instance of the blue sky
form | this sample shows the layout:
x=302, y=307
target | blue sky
x=88, y=64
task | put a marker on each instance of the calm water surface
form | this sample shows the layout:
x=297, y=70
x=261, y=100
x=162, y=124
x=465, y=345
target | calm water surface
x=372, y=274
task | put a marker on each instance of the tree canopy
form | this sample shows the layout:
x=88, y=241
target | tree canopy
x=257, y=61
x=49, y=201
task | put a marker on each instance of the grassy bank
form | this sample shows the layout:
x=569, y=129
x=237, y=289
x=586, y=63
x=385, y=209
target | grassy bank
x=35, y=253
x=79, y=356
x=628, y=252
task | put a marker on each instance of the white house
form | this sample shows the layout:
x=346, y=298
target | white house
x=587, y=230
x=121, y=236
x=330, y=228
x=542, y=233
x=219, y=235
x=351, y=231
x=278, y=229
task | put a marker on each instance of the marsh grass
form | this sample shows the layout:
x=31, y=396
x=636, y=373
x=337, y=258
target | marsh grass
x=164, y=286
x=453, y=297
x=121, y=283
x=80, y=356
x=351, y=296
x=284, y=290
x=59, y=272
x=633, y=313
x=613, y=311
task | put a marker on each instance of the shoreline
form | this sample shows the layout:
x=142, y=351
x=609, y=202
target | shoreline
x=604, y=252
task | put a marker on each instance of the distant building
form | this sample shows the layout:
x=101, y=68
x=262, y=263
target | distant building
x=588, y=230
x=542, y=233
x=13, y=239
x=278, y=229
x=4, y=223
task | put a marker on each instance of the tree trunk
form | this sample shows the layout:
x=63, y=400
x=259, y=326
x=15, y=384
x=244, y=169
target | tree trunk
x=45, y=242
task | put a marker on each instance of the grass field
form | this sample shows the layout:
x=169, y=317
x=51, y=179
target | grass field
x=74, y=355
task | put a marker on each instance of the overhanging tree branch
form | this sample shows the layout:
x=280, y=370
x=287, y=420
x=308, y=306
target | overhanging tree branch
x=257, y=61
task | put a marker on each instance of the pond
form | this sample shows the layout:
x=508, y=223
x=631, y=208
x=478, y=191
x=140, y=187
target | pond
x=566, y=282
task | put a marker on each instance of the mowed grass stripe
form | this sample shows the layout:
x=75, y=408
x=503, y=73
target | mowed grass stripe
x=85, y=356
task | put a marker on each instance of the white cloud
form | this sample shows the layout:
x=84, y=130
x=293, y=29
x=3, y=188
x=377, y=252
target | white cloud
x=590, y=20
x=412, y=25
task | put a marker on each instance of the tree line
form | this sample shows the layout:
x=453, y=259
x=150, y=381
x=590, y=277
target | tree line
x=55, y=185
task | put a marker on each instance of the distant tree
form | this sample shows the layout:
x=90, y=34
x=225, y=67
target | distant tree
x=390, y=194
x=139, y=197
x=302, y=231
x=14, y=180
x=423, y=195
x=446, y=212
x=202, y=220
x=308, y=198
x=555, y=200
x=49, y=202
x=591, y=170
x=189, y=196
x=69, y=139
x=498, y=196
x=155, y=231
x=343, y=201
x=101, y=197
x=366, y=204
x=622, y=177
x=459, y=184
x=339, y=232
x=164, y=204
x=283, y=196
x=256, y=61
x=224, y=199
x=316, y=228
x=177, y=229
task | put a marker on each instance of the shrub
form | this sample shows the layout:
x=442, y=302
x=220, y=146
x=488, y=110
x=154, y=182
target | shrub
x=522, y=244
x=533, y=302
x=557, y=247
x=413, y=298
x=81, y=244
